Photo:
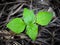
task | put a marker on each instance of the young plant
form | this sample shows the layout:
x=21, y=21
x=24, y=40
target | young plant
x=29, y=21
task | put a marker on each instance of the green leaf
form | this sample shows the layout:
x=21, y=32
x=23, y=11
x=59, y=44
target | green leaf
x=44, y=17
x=28, y=16
x=16, y=25
x=32, y=31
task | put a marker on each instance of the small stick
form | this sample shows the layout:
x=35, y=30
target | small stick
x=13, y=2
x=14, y=12
x=2, y=11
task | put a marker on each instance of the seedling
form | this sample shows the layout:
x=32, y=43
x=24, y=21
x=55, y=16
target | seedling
x=29, y=21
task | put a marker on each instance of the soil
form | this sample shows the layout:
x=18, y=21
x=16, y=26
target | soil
x=48, y=35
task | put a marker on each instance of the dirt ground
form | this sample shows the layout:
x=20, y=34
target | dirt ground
x=48, y=35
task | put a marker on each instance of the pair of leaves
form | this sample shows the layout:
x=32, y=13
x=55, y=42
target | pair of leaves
x=29, y=19
x=17, y=25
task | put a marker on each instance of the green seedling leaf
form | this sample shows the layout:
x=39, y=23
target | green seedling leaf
x=32, y=31
x=44, y=17
x=16, y=25
x=28, y=16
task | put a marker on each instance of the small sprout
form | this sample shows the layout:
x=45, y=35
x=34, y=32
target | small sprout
x=16, y=25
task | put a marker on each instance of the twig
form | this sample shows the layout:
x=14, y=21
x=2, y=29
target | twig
x=31, y=5
x=17, y=9
x=14, y=12
x=2, y=11
x=14, y=7
x=13, y=3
